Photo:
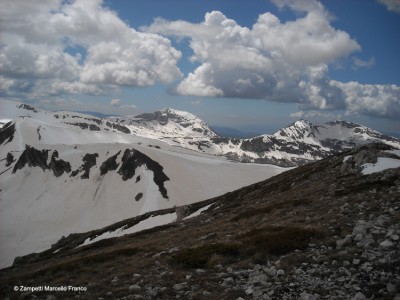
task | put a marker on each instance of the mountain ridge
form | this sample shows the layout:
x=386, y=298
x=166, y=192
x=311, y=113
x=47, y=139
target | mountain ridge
x=298, y=143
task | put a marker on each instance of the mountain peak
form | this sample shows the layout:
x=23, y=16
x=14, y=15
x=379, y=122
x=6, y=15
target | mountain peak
x=27, y=107
x=171, y=113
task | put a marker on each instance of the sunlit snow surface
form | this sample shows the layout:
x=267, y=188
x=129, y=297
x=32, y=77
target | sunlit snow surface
x=37, y=208
x=382, y=164
x=151, y=222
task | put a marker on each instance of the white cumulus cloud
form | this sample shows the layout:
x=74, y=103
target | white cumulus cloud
x=275, y=60
x=78, y=47
x=268, y=60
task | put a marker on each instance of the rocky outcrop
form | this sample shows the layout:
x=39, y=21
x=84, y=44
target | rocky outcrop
x=119, y=127
x=38, y=158
x=89, y=161
x=28, y=107
x=59, y=166
x=110, y=164
x=33, y=158
x=82, y=125
x=256, y=145
x=7, y=133
x=9, y=159
x=366, y=154
x=133, y=159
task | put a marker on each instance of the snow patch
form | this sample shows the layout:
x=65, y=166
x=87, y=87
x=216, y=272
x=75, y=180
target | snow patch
x=151, y=222
x=382, y=164
x=198, y=212
x=346, y=158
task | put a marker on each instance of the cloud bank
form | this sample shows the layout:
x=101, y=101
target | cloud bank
x=50, y=47
x=278, y=61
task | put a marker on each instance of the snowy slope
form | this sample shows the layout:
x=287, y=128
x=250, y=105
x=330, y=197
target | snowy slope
x=57, y=179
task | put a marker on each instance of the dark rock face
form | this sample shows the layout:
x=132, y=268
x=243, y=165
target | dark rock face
x=59, y=166
x=32, y=157
x=119, y=127
x=133, y=159
x=158, y=116
x=110, y=164
x=37, y=158
x=91, y=127
x=256, y=145
x=200, y=144
x=138, y=196
x=7, y=133
x=38, y=132
x=337, y=145
x=98, y=121
x=9, y=159
x=28, y=107
x=225, y=140
x=89, y=160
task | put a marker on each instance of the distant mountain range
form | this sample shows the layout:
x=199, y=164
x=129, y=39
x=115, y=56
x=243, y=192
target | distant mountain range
x=299, y=143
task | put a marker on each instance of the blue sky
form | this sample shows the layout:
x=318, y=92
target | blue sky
x=254, y=65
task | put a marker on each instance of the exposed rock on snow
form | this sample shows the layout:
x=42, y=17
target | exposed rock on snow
x=59, y=166
x=133, y=159
x=110, y=164
x=7, y=133
x=33, y=158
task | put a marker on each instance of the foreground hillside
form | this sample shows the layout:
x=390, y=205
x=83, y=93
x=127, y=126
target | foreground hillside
x=325, y=230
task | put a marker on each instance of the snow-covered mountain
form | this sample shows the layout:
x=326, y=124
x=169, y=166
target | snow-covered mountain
x=299, y=143
x=65, y=172
x=167, y=123
x=303, y=142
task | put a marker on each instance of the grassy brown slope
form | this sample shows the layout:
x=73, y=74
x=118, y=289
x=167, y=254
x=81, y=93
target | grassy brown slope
x=276, y=219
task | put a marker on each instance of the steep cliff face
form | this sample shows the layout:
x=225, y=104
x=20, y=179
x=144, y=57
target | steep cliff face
x=7, y=133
